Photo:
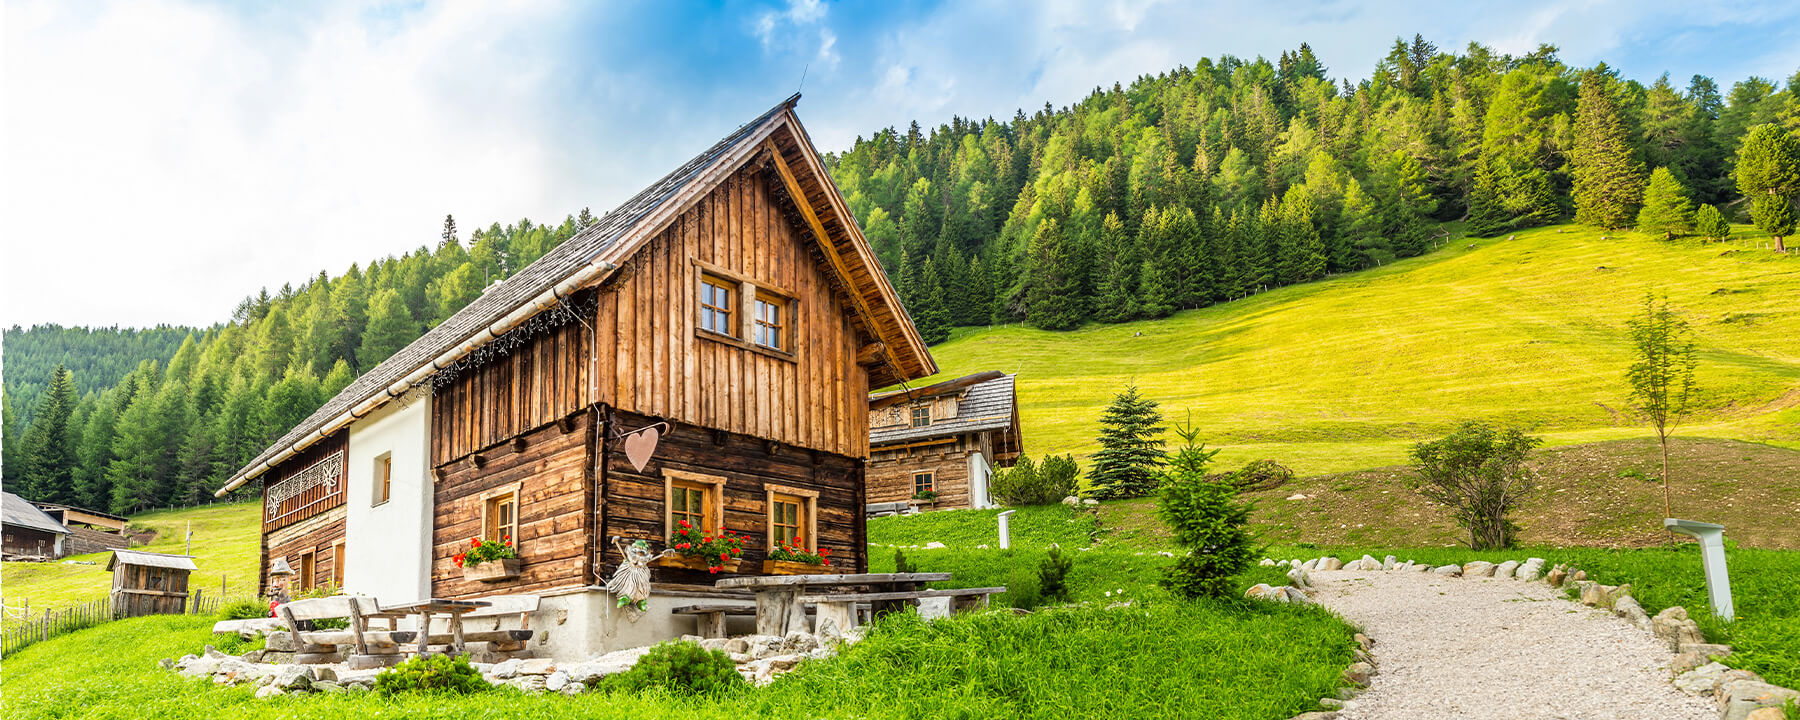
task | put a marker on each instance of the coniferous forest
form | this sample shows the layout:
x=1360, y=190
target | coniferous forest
x=1189, y=188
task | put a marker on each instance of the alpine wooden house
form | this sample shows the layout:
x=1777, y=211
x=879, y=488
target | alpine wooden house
x=936, y=446
x=725, y=325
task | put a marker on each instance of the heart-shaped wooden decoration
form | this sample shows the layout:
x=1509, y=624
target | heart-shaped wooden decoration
x=639, y=446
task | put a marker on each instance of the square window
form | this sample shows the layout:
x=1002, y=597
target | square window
x=921, y=415
x=922, y=482
x=715, y=305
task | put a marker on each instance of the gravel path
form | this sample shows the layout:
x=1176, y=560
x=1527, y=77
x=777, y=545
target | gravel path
x=1499, y=649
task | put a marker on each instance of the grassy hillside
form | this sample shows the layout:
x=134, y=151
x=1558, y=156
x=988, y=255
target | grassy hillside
x=225, y=541
x=1346, y=373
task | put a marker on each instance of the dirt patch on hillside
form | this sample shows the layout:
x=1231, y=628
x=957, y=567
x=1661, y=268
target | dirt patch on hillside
x=1599, y=494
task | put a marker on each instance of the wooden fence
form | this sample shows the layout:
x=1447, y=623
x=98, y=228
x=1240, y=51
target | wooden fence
x=18, y=634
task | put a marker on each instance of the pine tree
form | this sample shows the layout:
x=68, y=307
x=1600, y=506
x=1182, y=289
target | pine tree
x=1303, y=250
x=1711, y=224
x=1487, y=217
x=448, y=237
x=931, y=315
x=1666, y=206
x=1608, y=178
x=339, y=378
x=1774, y=214
x=1118, y=291
x=49, y=445
x=1131, y=447
x=1053, y=298
x=290, y=401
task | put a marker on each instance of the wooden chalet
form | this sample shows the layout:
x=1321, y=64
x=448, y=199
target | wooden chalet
x=89, y=530
x=731, y=316
x=935, y=447
x=29, y=533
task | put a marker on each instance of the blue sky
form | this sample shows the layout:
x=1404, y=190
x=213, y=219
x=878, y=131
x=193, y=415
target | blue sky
x=192, y=152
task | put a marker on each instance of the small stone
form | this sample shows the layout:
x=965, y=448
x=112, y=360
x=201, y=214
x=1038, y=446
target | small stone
x=1744, y=697
x=1090, y=502
x=574, y=688
x=1295, y=595
x=1370, y=563
x=799, y=642
x=1389, y=563
x=1366, y=642
x=784, y=662
x=1332, y=563
x=1479, y=568
x=1531, y=570
x=1450, y=570
x=1331, y=703
x=1578, y=575
x=714, y=643
x=1708, y=650
x=330, y=672
x=1315, y=716
x=1506, y=569
x=1260, y=591
x=1297, y=496
x=268, y=691
x=737, y=645
x=529, y=683
x=1266, y=562
x=1359, y=673
x=1627, y=607
x=1310, y=565
x=1767, y=713
x=1071, y=501
x=1557, y=576
x=326, y=686
x=507, y=670
x=934, y=545
x=1299, y=578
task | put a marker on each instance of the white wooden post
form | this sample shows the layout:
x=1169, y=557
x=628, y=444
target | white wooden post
x=1712, y=557
x=1005, y=534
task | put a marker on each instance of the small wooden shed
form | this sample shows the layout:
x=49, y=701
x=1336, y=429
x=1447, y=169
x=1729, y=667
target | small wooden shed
x=147, y=583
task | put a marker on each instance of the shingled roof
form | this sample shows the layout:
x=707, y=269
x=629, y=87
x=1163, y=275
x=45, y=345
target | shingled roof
x=16, y=512
x=989, y=405
x=622, y=231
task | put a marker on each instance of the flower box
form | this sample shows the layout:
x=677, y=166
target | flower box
x=786, y=567
x=696, y=562
x=492, y=570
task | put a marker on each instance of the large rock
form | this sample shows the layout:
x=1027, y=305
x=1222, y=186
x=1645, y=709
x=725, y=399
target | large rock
x=1698, y=655
x=1295, y=595
x=1071, y=501
x=292, y=677
x=1558, y=575
x=1312, y=564
x=1479, y=568
x=1332, y=563
x=530, y=683
x=282, y=641
x=1389, y=563
x=556, y=681
x=1700, y=680
x=611, y=663
x=1266, y=562
x=1505, y=570
x=1261, y=591
x=1743, y=697
x=1359, y=673
x=1300, y=579
x=1532, y=569
x=507, y=670
x=1673, y=626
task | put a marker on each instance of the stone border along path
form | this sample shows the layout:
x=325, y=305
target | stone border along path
x=1472, y=641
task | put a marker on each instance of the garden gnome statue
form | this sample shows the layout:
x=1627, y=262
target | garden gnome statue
x=280, y=574
x=631, y=582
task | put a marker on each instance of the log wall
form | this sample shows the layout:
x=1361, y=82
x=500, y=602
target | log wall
x=550, y=471
x=318, y=534
x=891, y=471
x=633, y=501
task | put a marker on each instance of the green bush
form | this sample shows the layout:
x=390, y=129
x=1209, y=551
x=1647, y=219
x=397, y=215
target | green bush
x=1205, y=517
x=1051, y=572
x=679, y=667
x=901, y=564
x=431, y=674
x=244, y=610
x=1027, y=483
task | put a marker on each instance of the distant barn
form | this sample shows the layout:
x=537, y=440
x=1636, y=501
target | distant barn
x=29, y=533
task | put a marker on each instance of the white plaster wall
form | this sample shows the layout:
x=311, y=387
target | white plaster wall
x=979, y=471
x=388, y=546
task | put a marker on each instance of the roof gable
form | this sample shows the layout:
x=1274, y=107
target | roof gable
x=988, y=404
x=589, y=258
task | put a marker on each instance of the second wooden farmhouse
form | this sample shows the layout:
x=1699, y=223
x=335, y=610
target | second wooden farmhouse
x=733, y=307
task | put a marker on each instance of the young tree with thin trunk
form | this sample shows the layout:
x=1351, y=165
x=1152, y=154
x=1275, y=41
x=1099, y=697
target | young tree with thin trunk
x=1662, y=376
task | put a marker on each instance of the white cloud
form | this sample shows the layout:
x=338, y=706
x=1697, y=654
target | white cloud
x=163, y=160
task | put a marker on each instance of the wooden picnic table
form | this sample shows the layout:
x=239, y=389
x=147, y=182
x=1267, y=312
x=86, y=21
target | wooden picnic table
x=424, y=609
x=778, y=607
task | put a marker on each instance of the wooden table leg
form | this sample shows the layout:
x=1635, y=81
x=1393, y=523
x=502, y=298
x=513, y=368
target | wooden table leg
x=779, y=612
x=456, y=633
x=424, y=631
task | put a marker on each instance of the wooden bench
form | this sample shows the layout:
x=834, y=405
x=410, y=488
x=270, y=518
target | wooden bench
x=373, y=648
x=837, y=614
x=511, y=643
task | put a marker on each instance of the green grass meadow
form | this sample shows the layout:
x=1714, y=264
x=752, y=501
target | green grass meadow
x=226, y=538
x=1346, y=373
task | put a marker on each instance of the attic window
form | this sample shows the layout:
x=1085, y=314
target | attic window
x=921, y=415
x=715, y=305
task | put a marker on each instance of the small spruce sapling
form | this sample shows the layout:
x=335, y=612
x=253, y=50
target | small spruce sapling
x=1711, y=224
x=1052, y=585
x=1207, y=519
